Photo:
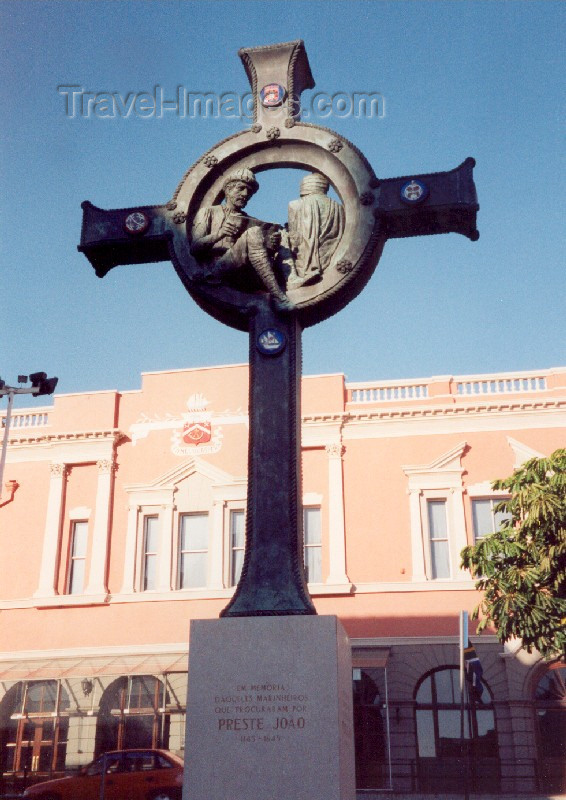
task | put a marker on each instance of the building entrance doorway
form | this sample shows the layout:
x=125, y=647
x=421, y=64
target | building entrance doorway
x=445, y=759
x=550, y=704
x=36, y=747
x=35, y=724
x=371, y=728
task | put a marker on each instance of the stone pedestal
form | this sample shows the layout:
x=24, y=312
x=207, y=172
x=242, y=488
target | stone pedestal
x=269, y=710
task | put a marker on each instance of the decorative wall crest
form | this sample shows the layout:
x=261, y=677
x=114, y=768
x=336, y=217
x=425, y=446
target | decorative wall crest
x=198, y=431
x=198, y=434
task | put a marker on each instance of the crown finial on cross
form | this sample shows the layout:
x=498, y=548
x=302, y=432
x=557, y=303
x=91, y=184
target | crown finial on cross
x=278, y=74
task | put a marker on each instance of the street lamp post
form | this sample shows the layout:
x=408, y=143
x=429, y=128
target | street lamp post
x=40, y=385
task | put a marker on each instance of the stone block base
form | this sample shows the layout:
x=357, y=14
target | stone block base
x=269, y=710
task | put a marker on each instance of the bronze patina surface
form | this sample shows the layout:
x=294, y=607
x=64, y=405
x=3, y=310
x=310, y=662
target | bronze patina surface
x=274, y=279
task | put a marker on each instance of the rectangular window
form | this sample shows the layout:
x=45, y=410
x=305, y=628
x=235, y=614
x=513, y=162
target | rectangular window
x=237, y=543
x=486, y=519
x=150, y=536
x=77, y=563
x=313, y=545
x=438, y=539
x=193, y=551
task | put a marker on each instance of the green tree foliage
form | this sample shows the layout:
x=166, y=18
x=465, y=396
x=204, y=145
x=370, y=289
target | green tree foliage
x=521, y=569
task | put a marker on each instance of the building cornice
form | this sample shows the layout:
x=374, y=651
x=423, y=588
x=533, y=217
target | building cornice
x=70, y=436
x=66, y=448
x=394, y=587
x=452, y=410
x=400, y=412
x=182, y=595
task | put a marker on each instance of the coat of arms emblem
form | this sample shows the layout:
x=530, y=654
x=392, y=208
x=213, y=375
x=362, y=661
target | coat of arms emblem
x=197, y=435
x=197, y=432
x=272, y=95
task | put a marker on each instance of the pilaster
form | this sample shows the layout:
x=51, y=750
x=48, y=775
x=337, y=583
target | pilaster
x=165, y=558
x=215, y=572
x=417, y=551
x=51, y=538
x=101, y=533
x=336, y=528
x=128, y=584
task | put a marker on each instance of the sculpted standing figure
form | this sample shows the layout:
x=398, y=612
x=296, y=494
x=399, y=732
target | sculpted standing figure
x=316, y=224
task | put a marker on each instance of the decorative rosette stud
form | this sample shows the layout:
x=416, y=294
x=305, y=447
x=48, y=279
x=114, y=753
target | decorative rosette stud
x=256, y=127
x=273, y=133
x=210, y=161
x=171, y=205
x=335, y=145
x=179, y=217
x=344, y=266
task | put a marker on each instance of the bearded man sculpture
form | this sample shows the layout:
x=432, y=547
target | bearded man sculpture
x=227, y=241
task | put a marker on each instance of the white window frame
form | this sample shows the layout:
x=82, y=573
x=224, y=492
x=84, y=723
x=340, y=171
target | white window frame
x=164, y=497
x=145, y=553
x=493, y=501
x=483, y=491
x=439, y=480
x=231, y=509
x=180, y=517
x=427, y=500
x=73, y=558
x=317, y=545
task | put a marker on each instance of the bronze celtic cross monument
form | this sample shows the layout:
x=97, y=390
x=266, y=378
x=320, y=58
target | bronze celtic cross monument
x=269, y=699
x=273, y=280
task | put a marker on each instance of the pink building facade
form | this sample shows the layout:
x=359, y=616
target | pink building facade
x=126, y=521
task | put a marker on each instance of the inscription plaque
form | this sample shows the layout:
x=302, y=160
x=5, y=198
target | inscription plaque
x=277, y=726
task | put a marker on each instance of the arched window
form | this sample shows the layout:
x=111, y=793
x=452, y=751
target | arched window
x=550, y=704
x=34, y=717
x=131, y=715
x=445, y=756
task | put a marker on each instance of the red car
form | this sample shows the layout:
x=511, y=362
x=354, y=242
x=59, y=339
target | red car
x=126, y=774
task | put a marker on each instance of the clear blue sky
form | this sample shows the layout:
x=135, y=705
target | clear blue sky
x=459, y=79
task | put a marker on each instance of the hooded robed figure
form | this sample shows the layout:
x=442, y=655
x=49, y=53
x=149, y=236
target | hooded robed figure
x=316, y=224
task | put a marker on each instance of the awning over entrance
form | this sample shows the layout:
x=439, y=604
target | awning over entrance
x=47, y=668
x=112, y=664
x=370, y=656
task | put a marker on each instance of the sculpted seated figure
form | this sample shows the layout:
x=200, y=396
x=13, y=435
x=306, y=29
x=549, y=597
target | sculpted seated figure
x=226, y=241
x=316, y=225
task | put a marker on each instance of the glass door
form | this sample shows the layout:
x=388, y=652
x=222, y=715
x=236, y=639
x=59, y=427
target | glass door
x=371, y=728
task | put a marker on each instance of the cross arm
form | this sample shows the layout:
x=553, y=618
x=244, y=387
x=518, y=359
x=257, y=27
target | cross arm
x=438, y=202
x=138, y=235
